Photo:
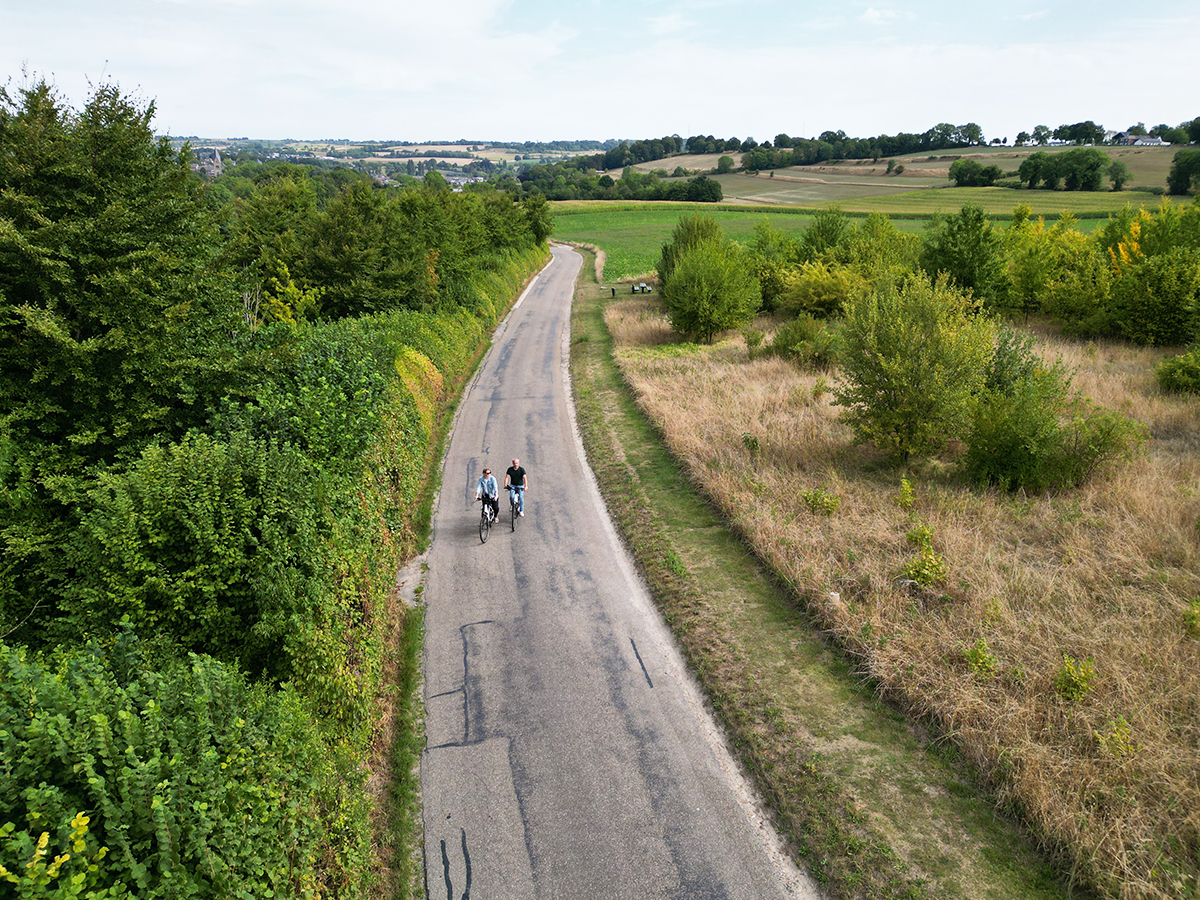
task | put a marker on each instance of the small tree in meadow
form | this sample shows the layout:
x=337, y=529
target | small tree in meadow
x=689, y=231
x=914, y=357
x=712, y=289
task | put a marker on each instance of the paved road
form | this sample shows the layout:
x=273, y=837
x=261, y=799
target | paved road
x=569, y=755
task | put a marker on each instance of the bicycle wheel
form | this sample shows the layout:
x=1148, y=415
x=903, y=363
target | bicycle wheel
x=485, y=526
x=512, y=511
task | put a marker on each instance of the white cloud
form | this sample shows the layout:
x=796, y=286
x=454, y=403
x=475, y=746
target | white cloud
x=875, y=16
x=664, y=25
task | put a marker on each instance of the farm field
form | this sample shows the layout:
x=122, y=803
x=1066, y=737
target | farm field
x=865, y=185
x=800, y=187
x=632, y=235
x=1090, y=208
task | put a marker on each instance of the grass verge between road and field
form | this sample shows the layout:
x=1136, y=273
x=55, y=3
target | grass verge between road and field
x=872, y=804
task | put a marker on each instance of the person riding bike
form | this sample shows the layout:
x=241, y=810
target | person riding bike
x=488, y=489
x=517, y=482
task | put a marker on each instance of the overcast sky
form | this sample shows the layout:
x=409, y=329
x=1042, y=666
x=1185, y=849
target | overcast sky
x=597, y=69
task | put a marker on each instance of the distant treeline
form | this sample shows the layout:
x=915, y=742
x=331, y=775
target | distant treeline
x=576, y=180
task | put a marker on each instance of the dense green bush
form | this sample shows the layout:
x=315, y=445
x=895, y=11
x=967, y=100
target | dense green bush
x=216, y=547
x=1030, y=431
x=967, y=248
x=821, y=289
x=1180, y=373
x=180, y=782
x=915, y=357
x=688, y=232
x=1154, y=299
x=810, y=342
x=712, y=288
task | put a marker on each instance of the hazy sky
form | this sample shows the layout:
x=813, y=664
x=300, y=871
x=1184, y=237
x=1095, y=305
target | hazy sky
x=540, y=70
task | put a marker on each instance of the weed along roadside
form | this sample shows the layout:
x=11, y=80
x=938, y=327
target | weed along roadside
x=872, y=803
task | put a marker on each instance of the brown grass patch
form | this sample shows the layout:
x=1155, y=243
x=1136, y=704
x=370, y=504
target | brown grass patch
x=1104, y=573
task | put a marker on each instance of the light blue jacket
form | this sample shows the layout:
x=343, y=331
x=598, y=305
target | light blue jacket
x=487, y=487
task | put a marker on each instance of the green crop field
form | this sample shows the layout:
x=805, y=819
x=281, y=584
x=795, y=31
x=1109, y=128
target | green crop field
x=801, y=187
x=632, y=236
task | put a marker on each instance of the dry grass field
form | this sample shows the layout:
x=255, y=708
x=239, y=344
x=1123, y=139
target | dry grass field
x=1060, y=652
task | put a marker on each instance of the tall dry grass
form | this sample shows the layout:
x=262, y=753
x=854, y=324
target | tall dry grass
x=1104, y=573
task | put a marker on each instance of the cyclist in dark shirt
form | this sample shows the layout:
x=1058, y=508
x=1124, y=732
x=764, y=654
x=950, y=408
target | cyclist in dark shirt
x=517, y=481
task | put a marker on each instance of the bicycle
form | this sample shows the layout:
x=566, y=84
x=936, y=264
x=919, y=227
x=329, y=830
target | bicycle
x=485, y=520
x=514, y=503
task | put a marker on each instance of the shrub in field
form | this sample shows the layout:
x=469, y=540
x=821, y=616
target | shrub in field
x=820, y=502
x=770, y=253
x=828, y=229
x=1117, y=739
x=927, y=568
x=1154, y=299
x=1037, y=258
x=981, y=661
x=1079, y=295
x=914, y=357
x=1191, y=619
x=1040, y=438
x=167, y=783
x=811, y=343
x=1180, y=373
x=711, y=289
x=690, y=231
x=1073, y=680
x=876, y=250
x=820, y=289
x=1030, y=431
x=968, y=249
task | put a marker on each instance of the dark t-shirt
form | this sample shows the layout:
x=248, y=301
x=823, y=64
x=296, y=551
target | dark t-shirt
x=516, y=477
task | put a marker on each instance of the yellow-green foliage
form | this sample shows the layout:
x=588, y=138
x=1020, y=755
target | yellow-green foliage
x=820, y=288
x=980, y=660
x=1073, y=680
x=423, y=382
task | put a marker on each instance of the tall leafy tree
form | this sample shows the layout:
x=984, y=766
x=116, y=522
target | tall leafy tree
x=1185, y=171
x=967, y=248
x=689, y=231
x=114, y=314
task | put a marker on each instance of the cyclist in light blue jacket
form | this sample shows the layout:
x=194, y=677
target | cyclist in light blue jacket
x=490, y=491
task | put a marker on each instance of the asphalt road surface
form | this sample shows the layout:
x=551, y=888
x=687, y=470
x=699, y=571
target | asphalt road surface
x=569, y=755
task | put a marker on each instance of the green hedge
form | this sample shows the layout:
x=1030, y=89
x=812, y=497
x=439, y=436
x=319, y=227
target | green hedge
x=265, y=548
x=185, y=782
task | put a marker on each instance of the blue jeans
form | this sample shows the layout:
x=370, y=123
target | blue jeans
x=519, y=490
